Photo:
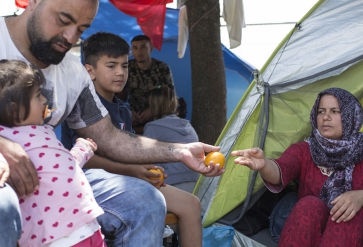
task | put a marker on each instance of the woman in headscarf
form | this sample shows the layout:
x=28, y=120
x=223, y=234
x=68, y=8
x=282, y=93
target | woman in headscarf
x=329, y=168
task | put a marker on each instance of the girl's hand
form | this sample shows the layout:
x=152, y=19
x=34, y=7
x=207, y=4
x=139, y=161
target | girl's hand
x=252, y=158
x=93, y=145
x=346, y=206
x=88, y=142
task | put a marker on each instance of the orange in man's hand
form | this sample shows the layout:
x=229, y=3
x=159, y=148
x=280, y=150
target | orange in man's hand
x=216, y=157
x=161, y=178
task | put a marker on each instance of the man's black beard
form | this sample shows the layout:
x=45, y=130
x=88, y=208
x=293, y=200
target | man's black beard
x=45, y=53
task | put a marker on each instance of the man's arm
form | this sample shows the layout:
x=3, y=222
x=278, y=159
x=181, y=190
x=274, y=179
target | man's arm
x=23, y=175
x=126, y=147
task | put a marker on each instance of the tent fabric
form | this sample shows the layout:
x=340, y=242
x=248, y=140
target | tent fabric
x=239, y=73
x=323, y=50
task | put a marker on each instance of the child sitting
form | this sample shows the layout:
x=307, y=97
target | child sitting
x=63, y=211
x=168, y=127
x=106, y=60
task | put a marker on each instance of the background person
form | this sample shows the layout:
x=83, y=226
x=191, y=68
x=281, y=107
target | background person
x=329, y=168
x=167, y=126
x=144, y=73
x=42, y=35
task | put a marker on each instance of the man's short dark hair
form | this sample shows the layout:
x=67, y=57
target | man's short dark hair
x=103, y=44
x=141, y=38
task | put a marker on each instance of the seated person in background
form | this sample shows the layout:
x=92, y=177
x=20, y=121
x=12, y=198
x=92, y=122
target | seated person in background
x=63, y=211
x=167, y=126
x=329, y=167
x=106, y=60
x=144, y=73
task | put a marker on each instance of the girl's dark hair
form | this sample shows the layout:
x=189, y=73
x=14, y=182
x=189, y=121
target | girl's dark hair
x=163, y=101
x=18, y=80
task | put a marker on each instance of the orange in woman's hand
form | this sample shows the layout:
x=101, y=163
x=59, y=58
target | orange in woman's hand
x=161, y=178
x=216, y=157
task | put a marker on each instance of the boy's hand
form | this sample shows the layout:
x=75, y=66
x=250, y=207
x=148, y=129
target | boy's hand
x=135, y=119
x=4, y=172
x=142, y=172
x=145, y=116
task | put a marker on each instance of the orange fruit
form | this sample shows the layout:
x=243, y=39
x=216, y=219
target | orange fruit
x=216, y=157
x=161, y=178
x=45, y=113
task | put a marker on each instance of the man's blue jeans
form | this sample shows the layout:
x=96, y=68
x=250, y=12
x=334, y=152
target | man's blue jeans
x=10, y=219
x=134, y=209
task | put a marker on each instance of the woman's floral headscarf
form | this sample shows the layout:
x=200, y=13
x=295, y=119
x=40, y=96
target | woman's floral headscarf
x=340, y=155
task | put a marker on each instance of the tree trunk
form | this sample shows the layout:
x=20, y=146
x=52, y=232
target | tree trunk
x=209, y=111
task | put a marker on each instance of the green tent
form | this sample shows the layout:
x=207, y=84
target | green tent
x=324, y=49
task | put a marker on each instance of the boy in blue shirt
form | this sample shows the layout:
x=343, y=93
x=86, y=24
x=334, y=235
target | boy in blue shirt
x=106, y=60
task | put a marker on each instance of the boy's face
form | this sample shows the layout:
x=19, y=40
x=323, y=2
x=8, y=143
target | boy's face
x=110, y=76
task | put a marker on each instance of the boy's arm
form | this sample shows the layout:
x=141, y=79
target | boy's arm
x=137, y=171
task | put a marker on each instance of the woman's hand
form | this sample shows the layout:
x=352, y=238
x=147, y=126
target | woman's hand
x=255, y=160
x=252, y=158
x=346, y=205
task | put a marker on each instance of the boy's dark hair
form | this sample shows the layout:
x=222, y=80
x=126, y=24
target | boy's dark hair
x=18, y=80
x=103, y=44
x=141, y=38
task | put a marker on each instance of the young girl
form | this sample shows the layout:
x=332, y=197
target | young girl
x=63, y=211
x=167, y=126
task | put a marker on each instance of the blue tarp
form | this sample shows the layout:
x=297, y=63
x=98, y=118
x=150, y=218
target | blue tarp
x=238, y=73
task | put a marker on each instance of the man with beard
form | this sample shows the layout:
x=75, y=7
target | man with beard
x=42, y=35
x=144, y=73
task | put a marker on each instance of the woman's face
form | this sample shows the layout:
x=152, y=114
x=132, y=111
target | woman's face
x=329, y=120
